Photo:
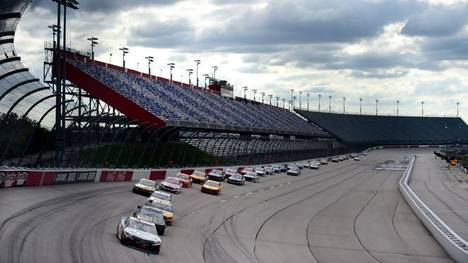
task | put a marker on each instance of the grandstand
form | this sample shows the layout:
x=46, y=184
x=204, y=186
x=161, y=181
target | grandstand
x=175, y=105
x=390, y=130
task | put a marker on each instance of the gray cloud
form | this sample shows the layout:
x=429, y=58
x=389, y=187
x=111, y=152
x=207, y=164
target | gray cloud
x=437, y=21
x=106, y=6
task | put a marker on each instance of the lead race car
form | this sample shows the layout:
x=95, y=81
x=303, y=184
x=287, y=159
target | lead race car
x=138, y=233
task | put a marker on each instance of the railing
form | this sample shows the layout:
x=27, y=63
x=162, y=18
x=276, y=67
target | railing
x=453, y=244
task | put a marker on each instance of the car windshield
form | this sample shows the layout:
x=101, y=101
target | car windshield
x=135, y=224
x=147, y=182
x=236, y=176
x=161, y=196
x=156, y=214
x=211, y=183
x=293, y=168
x=231, y=171
x=248, y=169
x=251, y=174
x=182, y=176
x=218, y=172
x=198, y=173
x=172, y=180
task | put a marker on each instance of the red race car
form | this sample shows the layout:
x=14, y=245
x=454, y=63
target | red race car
x=185, y=179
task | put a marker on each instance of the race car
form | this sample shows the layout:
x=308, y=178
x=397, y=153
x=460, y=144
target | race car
x=260, y=171
x=246, y=170
x=171, y=184
x=198, y=177
x=252, y=176
x=293, y=170
x=276, y=169
x=323, y=161
x=216, y=175
x=138, y=233
x=314, y=165
x=212, y=187
x=236, y=179
x=298, y=165
x=335, y=159
x=152, y=215
x=229, y=173
x=166, y=210
x=144, y=186
x=269, y=170
x=184, y=179
x=357, y=158
x=161, y=197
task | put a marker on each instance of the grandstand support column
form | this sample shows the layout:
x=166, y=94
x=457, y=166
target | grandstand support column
x=160, y=135
x=139, y=138
x=116, y=134
x=94, y=138
x=58, y=110
x=222, y=146
x=148, y=142
x=176, y=132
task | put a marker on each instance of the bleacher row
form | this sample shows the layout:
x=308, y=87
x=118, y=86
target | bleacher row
x=391, y=129
x=175, y=104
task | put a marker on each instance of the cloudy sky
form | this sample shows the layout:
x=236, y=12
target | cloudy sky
x=389, y=50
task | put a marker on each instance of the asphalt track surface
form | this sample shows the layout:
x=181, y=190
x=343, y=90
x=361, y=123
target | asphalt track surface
x=343, y=212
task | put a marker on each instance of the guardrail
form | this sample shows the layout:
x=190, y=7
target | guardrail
x=453, y=244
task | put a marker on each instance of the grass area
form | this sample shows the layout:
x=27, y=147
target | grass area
x=169, y=154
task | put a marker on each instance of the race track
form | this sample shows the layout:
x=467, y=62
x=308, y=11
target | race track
x=343, y=212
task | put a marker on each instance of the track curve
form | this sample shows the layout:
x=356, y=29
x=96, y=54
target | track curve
x=320, y=216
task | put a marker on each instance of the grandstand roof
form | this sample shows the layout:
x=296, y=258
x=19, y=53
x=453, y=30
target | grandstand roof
x=385, y=130
x=157, y=101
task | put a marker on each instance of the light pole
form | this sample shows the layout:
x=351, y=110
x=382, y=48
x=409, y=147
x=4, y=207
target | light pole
x=245, y=92
x=277, y=101
x=422, y=108
x=360, y=106
x=215, y=68
x=308, y=97
x=292, y=94
x=125, y=51
x=319, y=98
x=458, y=109
x=284, y=100
x=197, y=62
x=254, y=93
x=263, y=95
x=93, y=42
x=376, y=107
x=207, y=77
x=344, y=105
x=171, y=67
x=398, y=108
x=190, y=72
x=110, y=58
x=329, y=103
x=300, y=99
x=271, y=96
x=54, y=33
x=150, y=60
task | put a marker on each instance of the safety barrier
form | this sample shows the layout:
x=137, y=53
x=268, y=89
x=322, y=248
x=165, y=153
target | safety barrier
x=453, y=244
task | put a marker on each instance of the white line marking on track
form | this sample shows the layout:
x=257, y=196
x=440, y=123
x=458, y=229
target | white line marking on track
x=249, y=193
x=235, y=197
x=272, y=187
x=222, y=201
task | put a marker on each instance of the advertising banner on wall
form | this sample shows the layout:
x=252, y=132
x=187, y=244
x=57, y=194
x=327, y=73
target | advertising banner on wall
x=12, y=178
